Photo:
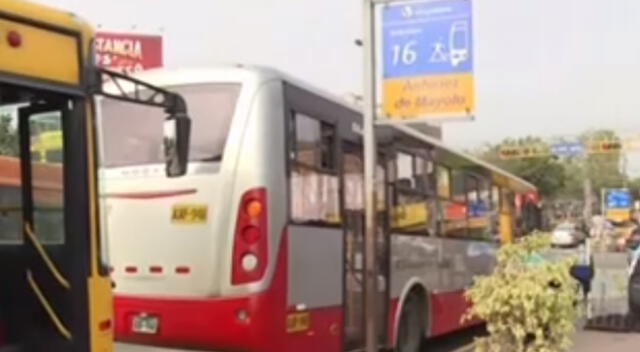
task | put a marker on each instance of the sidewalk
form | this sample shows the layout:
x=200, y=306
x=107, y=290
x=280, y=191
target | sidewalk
x=595, y=341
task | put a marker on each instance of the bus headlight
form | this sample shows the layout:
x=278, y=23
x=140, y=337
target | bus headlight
x=249, y=262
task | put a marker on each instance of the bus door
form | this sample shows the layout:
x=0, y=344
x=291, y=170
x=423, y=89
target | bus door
x=354, y=224
x=54, y=227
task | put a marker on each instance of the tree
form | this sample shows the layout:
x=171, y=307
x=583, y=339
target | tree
x=604, y=170
x=8, y=137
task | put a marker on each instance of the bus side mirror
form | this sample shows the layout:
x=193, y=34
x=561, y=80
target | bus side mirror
x=177, y=130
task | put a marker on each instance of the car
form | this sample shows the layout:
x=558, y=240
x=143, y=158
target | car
x=634, y=287
x=633, y=240
x=567, y=235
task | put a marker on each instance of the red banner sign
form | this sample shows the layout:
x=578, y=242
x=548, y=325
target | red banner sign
x=128, y=53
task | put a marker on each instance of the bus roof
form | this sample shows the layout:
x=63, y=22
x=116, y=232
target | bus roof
x=461, y=159
x=453, y=157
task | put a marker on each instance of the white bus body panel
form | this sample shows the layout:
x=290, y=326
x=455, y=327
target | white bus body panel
x=140, y=232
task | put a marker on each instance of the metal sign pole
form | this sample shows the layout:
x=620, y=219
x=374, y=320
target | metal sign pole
x=370, y=243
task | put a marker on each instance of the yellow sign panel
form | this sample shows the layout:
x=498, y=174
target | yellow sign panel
x=478, y=222
x=39, y=53
x=298, y=322
x=442, y=95
x=189, y=214
x=523, y=152
x=618, y=215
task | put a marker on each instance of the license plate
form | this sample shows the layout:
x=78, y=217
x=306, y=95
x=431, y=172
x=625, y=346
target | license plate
x=298, y=322
x=189, y=214
x=145, y=324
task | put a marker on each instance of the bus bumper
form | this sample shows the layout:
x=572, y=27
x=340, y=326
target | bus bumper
x=238, y=324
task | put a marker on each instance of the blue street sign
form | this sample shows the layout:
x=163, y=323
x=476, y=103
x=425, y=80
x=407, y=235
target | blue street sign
x=427, y=37
x=618, y=199
x=567, y=149
x=427, y=52
x=477, y=209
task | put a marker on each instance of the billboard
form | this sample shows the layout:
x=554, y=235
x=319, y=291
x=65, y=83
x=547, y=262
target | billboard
x=427, y=53
x=128, y=53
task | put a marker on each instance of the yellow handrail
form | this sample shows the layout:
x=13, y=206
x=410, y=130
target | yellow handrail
x=45, y=257
x=62, y=329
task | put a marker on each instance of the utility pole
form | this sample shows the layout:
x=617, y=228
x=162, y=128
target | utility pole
x=370, y=242
x=588, y=196
x=587, y=188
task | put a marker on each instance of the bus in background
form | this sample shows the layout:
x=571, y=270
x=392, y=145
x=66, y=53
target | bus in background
x=260, y=246
x=56, y=292
x=47, y=147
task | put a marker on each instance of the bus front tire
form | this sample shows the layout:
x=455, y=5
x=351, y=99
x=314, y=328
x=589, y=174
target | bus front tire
x=412, y=324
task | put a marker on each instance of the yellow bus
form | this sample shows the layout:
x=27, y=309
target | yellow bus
x=56, y=293
x=47, y=147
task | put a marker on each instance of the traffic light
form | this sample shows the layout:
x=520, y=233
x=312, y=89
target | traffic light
x=611, y=147
x=605, y=147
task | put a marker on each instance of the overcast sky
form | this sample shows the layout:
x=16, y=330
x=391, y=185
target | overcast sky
x=542, y=66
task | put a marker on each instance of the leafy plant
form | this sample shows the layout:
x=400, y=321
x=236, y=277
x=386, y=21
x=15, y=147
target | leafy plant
x=528, y=302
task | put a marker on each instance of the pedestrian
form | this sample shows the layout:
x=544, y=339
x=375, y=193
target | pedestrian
x=583, y=270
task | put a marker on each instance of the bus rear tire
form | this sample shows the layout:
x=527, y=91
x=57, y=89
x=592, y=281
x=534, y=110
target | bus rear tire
x=412, y=324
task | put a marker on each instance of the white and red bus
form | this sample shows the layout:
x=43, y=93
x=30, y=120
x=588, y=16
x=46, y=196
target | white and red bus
x=259, y=246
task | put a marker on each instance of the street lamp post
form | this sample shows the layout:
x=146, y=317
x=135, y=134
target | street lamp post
x=370, y=243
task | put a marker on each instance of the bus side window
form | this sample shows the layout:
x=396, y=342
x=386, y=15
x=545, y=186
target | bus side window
x=479, y=220
x=411, y=212
x=314, y=179
x=454, y=208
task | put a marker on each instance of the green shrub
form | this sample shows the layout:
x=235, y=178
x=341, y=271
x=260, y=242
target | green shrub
x=528, y=303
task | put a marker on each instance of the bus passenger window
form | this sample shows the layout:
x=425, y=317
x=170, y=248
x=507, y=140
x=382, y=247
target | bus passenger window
x=444, y=182
x=458, y=186
x=479, y=215
x=314, y=186
x=404, y=170
x=411, y=212
x=454, y=210
x=327, y=147
x=48, y=202
x=353, y=168
x=495, y=198
x=10, y=183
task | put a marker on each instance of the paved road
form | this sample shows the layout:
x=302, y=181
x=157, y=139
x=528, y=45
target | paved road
x=449, y=343
x=454, y=342
x=592, y=341
x=120, y=347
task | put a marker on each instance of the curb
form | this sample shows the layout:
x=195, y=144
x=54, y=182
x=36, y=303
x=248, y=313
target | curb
x=467, y=348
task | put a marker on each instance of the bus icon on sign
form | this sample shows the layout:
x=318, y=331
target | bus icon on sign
x=459, y=42
x=407, y=12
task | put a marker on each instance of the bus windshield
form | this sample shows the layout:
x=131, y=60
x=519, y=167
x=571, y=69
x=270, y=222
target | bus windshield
x=133, y=133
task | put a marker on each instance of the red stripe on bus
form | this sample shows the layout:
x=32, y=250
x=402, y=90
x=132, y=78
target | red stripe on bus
x=152, y=195
x=183, y=270
x=447, y=310
x=131, y=269
x=155, y=269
